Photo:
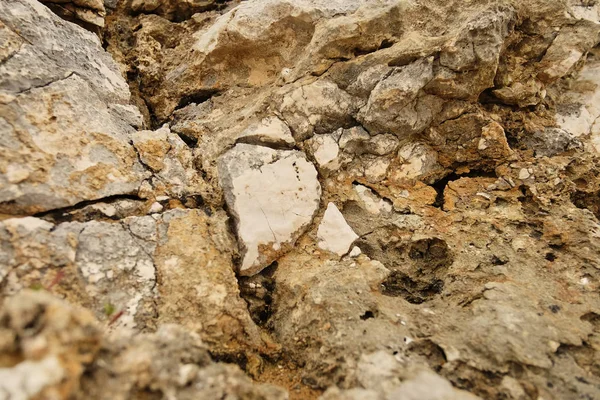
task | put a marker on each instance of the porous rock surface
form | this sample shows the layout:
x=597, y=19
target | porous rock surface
x=276, y=199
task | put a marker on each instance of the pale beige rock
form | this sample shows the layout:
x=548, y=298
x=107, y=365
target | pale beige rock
x=273, y=195
x=271, y=131
x=319, y=107
x=456, y=140
x=397, y=105
x=334, y=234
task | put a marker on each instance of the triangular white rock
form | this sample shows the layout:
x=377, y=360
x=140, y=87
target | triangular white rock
x=334, y=233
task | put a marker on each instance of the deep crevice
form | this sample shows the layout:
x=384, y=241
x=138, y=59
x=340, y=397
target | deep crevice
x=60, y=215
x=191, y=142
x=257, y=291
x=440, y=184
x=196, y=98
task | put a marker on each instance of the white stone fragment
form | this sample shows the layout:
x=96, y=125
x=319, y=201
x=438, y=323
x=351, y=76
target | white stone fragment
x=326, y=149
x=373, y=203
x=271, y=131
x=273, y=196
x=418, y=160
x=376, y=170
x=580, y=113
x=334, y=233
x=524, y=173
x=355, y=252
x=156, y=207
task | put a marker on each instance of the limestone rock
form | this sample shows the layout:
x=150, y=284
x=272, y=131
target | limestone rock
x=177, y=10
x=551, y=142
x=459, y=140
x=67, y=357
x=419, y=161
x=273, y=196
x=398, y=105
x=334, y=233
x=372, y=203
x=55, y=150
x=579, y=108
x=325, y=150
x=70, y=259
x=90, y=12
x=270, y=131
x=319, y=107
x=200, y=290
x=379, y=374
x=171, y=361
x=172, y=163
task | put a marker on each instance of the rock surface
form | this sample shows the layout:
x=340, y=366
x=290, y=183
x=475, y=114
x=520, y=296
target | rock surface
x=273, y=199
x=334, y=234
x=65, y=115
x=273, y=196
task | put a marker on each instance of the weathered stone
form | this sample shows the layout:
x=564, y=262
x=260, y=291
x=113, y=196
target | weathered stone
x=50, y=361
x=397, y=104
x=175, y=10
x=324, y=149
x=270, y=131
x=70, y=259
x=87, y=11
x=334, y=234
x=551, y=142
x=579, y=108
x=55, y=150
x=273, y=196
x=419, y=161
x=46, y=362
x=373, y=203
x=172, y=164
x=319, y=107
x=458, y=139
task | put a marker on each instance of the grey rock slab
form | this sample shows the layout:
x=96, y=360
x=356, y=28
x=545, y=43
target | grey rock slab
x=65, y=118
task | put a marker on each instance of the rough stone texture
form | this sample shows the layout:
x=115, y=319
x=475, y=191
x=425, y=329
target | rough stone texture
x=66, y=356
x=45, y=346
x=65, y=121
x=85, y=12
x=365, y=199
x=271, y=132
x=160, y=269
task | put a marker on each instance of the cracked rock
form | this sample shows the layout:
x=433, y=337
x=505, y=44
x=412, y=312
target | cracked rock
x=65, y=120
x=271, y=132
x=273, y=196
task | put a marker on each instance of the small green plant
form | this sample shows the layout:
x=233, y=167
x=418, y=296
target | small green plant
x=36, y=286
x=109, y=309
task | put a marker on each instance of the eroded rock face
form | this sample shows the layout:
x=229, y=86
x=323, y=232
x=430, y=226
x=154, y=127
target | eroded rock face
x=349, y=199
x=334, y=233
x=141, y=279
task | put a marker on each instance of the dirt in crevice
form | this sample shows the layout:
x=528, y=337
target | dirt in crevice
x=257, y=291
x=587, y=200
x=289, y=376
